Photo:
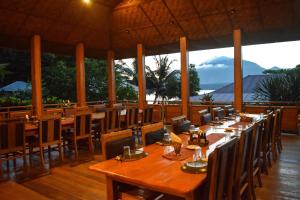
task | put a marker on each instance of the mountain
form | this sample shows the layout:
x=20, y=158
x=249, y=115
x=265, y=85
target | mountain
x=275, y=68
x=220, y=70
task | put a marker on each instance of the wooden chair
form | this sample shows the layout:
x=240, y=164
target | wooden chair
x=12, y=142
x=218, y=112
x=115, y=136
x=4, y=115
x=276, y=135
x=112, y=120
x=132, y=117
x=147, y=115
x=150, y=128
x=50, y=133
x=242, y=187
x=82, y=131
x=205, y=117
x=255, y=168
x=221, y=170
x=229, y=110
x=54, y=111
x=266, y=147
x=180, y=124
x=278, y=132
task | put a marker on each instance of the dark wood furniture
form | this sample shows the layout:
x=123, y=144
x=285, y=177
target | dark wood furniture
x=50, y=133
x=132, y=117
x=112, y=120
x=221, y=168
x=114, y=136
x=218, y=112
x=180, y=124
x=205, y=117
x=242, y=187
x=266, y=147
x=150, y=128
x=147, y=116
x=12, y=142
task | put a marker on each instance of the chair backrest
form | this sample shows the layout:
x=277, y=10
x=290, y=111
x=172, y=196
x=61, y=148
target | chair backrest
x=54, y=111
x=49, y=129
x=229, y=110
x=180, y=124
x=99, y=108
x=120, y=138
x=132, y=117
x=149, y=129
x=243, y=162
x=221, y=170
x=276, y=126
x=3, y=115
x=267, y=130
x=112, y=120
x=201, y=113
x=218, y=112
x=257, y=142
x=83, y=124
x=147, y=115
x=205, y=117
x=12, y=135
x=19, y=114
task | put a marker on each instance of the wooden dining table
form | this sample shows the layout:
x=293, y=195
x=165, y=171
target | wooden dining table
x=66, y=123
x=157, y=173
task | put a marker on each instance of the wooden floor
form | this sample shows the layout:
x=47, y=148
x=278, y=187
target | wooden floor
x=74, y=183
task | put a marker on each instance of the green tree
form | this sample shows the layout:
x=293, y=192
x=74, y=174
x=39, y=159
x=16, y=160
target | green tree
x=283, y=86
x=194, y=80
x=3, y=71
x=162, y=80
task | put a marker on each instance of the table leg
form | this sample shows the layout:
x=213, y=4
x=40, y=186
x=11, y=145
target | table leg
x=110, y=189
x=190, y=196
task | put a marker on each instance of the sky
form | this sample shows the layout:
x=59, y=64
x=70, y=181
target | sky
x=283, y=55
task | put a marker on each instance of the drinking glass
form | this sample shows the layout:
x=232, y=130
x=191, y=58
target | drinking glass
x=217, y=118
x=126, y=151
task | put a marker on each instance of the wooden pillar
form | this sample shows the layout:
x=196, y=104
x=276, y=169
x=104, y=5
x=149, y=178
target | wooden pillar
x=238, y=70
x=80, y=75
x=36, y=75
x=185, y=89
x=111, y=78
x=141, y=76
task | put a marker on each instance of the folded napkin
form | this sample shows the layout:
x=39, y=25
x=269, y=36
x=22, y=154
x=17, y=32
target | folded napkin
x=175, y=138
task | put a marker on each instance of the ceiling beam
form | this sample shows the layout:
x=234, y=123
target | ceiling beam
x=293, y=12
x=202, y=22
x=174, y=18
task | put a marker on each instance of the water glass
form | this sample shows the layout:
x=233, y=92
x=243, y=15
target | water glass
x=126, y=151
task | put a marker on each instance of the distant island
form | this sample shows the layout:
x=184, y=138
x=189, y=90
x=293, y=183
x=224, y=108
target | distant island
x=219, y=71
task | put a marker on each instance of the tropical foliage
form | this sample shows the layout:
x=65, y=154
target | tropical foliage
x=280, y=85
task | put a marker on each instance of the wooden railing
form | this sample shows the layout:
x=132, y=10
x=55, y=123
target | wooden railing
x=170, y=109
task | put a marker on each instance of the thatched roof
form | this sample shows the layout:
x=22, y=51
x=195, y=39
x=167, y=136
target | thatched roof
x=158, y=24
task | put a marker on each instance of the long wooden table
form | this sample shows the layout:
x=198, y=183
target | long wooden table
x=157, y=173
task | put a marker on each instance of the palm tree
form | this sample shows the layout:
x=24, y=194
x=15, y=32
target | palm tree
x=162, y=81
x=126, y=72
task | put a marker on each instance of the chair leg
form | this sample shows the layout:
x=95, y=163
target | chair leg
x=49, y=155
x=76, y=149
x=7, y=165
x=42, y=157
x=24, y=160
x=91, y=149
x=60, y=151
x=274, y=151
x=1, y=170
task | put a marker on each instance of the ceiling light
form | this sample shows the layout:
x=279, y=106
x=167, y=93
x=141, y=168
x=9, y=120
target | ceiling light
x=86, y=1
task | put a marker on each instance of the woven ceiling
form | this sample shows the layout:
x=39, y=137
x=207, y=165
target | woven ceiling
x=158, y=24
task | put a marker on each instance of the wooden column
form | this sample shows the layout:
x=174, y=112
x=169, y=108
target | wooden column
x=80, y=75
x=185, y=89
x=111, y=78
x=238, y=70
x=36, y=75
x=141, y=76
